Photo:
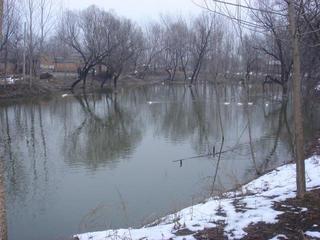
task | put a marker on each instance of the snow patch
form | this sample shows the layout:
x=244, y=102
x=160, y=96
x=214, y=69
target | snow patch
x=278, y=237
x=313, y=234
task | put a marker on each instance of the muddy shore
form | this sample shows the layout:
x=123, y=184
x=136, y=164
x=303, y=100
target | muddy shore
x=62, y=85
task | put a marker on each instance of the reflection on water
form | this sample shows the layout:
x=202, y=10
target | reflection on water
x=100, y=140
x=86, y=163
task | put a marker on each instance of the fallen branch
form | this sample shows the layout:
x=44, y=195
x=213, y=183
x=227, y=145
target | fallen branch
x=206, y=155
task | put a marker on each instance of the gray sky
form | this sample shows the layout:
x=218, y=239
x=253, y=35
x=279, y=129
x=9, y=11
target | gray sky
x=139, y=10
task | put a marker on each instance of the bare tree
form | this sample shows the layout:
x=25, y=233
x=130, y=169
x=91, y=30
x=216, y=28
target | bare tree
x=91, y=34
x=178, y=46
x=128, y=41
x=182, y=30
x=1, y=16
x=31, y=7
x=9, y=21
x=45, y=8
x=202, y=30
x=170, y=55
x=10, y=31
x=276, y=40
x=152, y=49
x=218, y=55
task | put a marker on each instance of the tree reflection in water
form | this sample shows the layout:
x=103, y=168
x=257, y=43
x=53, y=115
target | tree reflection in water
x=101, y=139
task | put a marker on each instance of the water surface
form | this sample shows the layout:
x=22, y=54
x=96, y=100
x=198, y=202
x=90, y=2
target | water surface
x=91, y=162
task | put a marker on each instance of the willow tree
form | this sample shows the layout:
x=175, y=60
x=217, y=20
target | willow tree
x=91, y=34
x=128, y=42
x=202, y=31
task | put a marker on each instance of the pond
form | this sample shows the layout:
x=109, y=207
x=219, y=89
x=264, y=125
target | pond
x=84, y=163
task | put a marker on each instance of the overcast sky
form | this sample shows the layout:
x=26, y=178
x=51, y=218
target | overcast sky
x=139, y=10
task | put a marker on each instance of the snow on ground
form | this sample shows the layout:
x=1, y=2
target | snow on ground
x=313, y=234
x=255, y=201
x=278, y=237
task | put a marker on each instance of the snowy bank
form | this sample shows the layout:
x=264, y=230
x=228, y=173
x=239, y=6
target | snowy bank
x=236, y=210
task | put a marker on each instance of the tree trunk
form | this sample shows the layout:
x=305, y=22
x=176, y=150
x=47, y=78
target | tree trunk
x=115, y=81
x=3, y=217
x=184, y=68
x=169, y=74
x=1, y=19
x=297, y=110
x=6, y=60
x=75, y=83
x=30, y=59
x=185, y=73
x=83, y=73
x=284, y=90
x=84, y=79
x=24, y=50
x=194, y=73
x=174, y=73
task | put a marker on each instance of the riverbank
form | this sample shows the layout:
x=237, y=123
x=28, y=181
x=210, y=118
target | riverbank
x=265, y=208
x=60, y=85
